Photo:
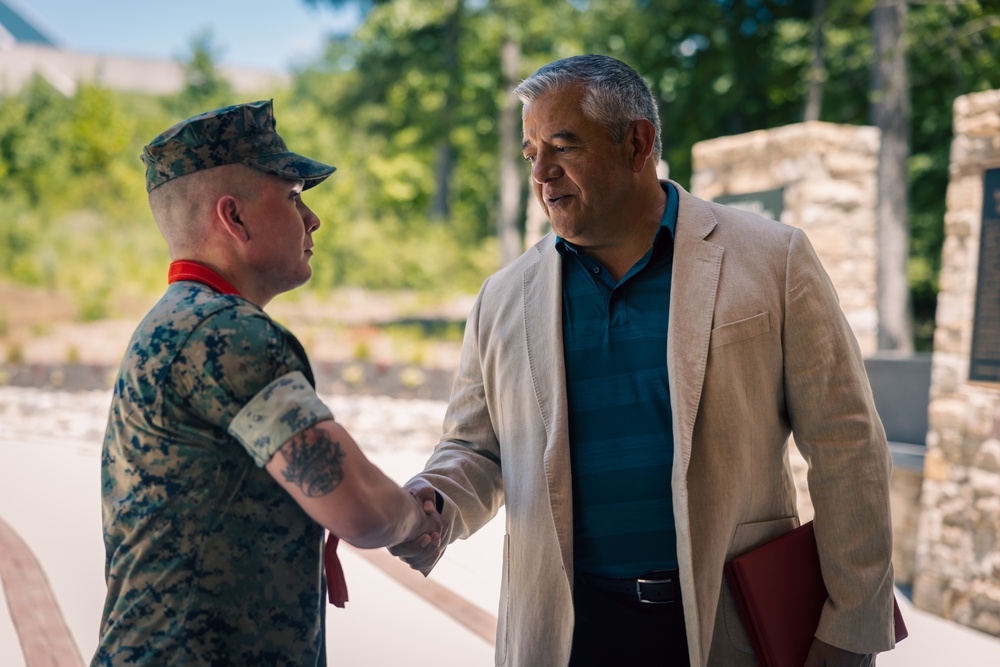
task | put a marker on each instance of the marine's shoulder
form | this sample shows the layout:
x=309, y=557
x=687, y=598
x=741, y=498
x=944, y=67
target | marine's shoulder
x=191, y=315
x=186, y=306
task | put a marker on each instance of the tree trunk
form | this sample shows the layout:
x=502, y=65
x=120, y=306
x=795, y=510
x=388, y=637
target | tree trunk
x=445, y=162
x=508, y=227
x=890, y=106
x=817, y=69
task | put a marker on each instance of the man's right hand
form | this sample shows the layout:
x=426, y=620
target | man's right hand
x=423, y=552
x=429, y=534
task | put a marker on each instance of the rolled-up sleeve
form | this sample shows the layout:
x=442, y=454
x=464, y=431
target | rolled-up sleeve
x=285, y=407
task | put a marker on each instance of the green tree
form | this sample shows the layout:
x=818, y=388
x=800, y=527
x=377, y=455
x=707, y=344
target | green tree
x=437, y=29
x=75, y=216
x=31, y=155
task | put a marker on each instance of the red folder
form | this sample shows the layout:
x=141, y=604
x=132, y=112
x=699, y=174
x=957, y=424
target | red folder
x=780, y=594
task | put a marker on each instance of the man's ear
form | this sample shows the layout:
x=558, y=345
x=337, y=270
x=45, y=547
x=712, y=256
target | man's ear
x=227, y=212
x=640, y=139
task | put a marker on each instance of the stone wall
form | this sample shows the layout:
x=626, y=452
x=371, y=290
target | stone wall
x=958, y=544
x=827, y=172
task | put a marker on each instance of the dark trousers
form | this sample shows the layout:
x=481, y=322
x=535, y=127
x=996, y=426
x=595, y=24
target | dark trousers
x=617, y=630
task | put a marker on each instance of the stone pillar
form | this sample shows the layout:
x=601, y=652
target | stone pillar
x=958, y=543
x=826, y=175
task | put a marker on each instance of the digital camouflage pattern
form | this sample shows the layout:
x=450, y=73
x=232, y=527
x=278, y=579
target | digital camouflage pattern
x=209, y=560
x=240, y=134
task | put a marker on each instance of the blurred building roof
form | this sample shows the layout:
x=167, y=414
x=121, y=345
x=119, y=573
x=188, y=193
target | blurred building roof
x=25, y=52
x=16, y=29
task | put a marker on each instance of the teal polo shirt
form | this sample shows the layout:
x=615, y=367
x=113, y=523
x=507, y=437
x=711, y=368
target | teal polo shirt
x=620, y=422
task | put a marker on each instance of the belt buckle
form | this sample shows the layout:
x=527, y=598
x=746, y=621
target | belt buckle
x=638, y=590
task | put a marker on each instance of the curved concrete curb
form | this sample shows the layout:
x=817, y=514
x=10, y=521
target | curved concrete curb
x=45, y=639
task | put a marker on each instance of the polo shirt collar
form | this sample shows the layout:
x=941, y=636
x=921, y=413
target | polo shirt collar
x=668, y=222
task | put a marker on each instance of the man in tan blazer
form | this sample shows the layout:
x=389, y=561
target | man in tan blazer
x=756, y=349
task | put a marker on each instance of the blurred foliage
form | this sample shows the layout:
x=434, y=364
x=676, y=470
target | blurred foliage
x=418, y=80
x=75, y=214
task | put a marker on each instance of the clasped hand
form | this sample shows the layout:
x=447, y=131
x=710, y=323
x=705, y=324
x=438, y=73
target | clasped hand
x=423, y=552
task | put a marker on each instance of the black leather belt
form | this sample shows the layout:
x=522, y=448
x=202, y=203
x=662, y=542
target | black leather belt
x=654, y=588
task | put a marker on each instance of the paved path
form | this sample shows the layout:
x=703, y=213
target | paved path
x=34, y=613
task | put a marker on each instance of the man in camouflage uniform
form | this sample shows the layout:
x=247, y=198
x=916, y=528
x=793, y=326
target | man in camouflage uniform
x=215, y=543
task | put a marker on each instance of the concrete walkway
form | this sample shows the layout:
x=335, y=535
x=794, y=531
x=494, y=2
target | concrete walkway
x=50, y=497
x=34, y=614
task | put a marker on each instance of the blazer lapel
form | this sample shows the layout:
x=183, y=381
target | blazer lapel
x=695, y=280
x=542, y=305
x=697, y=263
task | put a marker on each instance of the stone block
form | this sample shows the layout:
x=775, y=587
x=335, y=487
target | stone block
x=964, y=193
x=984, y=484
x=929, y=591
x=947, y=414
x=905, y=487
x=948, y=340
x=980, y=418
x=950, y=442
x=846, y=166
x=981, y=125
x=936, y=467
x=988, y=457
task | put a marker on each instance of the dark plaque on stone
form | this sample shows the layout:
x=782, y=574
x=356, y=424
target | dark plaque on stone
x=766, y=204
x=985, y=362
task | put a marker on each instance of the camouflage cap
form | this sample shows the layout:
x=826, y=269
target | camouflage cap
x=240, y=134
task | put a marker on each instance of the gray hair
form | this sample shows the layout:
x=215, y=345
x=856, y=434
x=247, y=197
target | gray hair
x=614, y=93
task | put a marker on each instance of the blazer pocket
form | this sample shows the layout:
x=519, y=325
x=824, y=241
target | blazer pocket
x=734, y=332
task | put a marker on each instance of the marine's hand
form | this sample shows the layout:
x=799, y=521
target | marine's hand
x=822, y=654
x=433, y=524
x=423, y=552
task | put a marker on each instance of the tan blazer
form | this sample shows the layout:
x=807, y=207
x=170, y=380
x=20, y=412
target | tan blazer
x=757, y=348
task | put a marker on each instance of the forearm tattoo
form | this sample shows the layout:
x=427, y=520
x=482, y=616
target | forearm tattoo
x=315, y=462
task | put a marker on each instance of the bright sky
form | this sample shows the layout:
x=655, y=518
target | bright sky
x=261, y=34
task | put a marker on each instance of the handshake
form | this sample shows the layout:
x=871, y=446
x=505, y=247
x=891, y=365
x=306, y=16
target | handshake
x=422, y=552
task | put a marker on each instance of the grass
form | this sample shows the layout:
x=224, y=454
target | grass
x=14, y=354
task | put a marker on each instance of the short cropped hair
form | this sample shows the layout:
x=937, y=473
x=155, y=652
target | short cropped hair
x=614, y=93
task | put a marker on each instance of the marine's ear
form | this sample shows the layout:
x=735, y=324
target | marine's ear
x=227, y=213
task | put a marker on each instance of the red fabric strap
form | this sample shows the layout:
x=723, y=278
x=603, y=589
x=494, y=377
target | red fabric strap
x=336, y=584
x=185, y=269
